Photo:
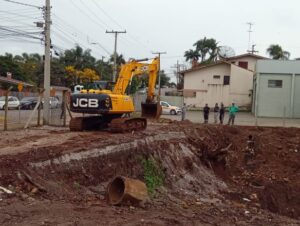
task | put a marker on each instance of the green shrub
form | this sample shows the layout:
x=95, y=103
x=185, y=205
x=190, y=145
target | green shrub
x=153, y=175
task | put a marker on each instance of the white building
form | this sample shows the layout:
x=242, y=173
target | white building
x=224, y=81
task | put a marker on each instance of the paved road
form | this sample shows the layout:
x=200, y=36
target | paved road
x=242, y=118
x=18, y=118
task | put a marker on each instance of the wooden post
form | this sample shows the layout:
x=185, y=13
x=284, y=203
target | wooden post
x=6, y=108
x=39, y=107
x=65, y=107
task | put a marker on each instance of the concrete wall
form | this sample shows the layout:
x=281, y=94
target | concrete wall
x=208, y=90
x=274, y=102
x=241, y=86
x=200, y=79
x=297, y=97
x=278, y=102
x=251, y=62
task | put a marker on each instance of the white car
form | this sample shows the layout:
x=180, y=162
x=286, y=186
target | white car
x=169, y=109
x=13, y=102
x=53, y=102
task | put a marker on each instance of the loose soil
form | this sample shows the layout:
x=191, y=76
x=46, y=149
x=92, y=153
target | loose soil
x=60, y=178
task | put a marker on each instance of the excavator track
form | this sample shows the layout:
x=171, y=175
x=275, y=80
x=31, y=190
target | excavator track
x=76, y=124
x=122, y=125
x=87, y=123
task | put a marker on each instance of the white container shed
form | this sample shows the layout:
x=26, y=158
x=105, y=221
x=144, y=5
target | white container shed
x=277, y=89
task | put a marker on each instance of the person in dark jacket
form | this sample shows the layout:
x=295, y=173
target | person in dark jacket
x=206, y=110
x=222, y=113
x=216, y=112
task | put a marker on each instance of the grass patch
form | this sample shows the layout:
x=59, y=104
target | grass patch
x=153, y=175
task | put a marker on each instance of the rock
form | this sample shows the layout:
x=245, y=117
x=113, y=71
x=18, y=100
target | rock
x=184, y=205
x=34, y=190
x=253, y=196
x=24, y=196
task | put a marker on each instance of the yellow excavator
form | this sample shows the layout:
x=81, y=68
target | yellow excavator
x=106, y=105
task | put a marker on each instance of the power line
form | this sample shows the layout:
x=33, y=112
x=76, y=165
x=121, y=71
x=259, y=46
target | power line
x=24, y=4
x=62, y=27
x=87, y=15
x=95, y=15
x=102, y=10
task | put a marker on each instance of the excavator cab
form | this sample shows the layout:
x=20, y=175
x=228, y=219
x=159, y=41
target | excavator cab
x=151, y=110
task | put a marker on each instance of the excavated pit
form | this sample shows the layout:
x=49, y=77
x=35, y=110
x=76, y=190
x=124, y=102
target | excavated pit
x=202, y=163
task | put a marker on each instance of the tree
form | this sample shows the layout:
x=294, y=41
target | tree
x=104, y=69
x=277, y=53
x=191, y=55
x=89, y=75
x=164, y=79
x=206, y=47
x=120, y=59
x=79, y=58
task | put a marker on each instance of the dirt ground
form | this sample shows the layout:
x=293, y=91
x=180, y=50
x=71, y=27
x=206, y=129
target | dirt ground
x=59, y=177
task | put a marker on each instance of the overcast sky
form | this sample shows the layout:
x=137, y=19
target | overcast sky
x=157, y=25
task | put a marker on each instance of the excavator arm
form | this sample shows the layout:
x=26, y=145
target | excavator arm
x=136, y=68
x=150, y=109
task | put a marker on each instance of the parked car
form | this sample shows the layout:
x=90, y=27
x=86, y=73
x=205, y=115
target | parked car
x=169, y=109
x=28, y=103
x=54, y=102
x=13, y=102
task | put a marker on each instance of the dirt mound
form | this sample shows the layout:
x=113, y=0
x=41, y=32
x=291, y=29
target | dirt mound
x=191, y=169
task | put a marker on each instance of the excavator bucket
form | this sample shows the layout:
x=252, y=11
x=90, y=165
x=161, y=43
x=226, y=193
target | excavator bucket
x=151, y=110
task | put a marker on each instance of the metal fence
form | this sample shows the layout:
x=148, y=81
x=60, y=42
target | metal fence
x=23, y=114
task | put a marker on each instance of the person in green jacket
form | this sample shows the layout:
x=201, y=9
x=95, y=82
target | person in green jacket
x=233, y=109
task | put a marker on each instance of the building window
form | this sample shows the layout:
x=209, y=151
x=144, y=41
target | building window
x=217, y=77
x=243, y=64
x=275, y=83
x=226, y=80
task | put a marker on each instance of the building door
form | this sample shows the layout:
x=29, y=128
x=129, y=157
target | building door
x=274, y=96
x=297, y=97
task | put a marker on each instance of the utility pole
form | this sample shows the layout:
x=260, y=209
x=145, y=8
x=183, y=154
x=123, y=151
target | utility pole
x=115, y=52
x=252, y=51
x=159, y=53
x=178, y=67
x=46, y=104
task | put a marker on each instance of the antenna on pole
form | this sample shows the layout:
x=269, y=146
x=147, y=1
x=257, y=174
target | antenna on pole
x=249, y=31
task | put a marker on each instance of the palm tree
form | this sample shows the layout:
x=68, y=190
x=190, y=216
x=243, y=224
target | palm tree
x=277, y=53
x=192, y=56
x=207, y=46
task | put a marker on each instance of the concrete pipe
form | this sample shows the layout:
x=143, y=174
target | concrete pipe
x=123, y=189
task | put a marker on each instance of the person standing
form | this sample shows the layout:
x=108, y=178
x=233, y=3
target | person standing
x=216, y=112
x=222, y=113
x=183, y=112
x=206, y=110
x=233, y=109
